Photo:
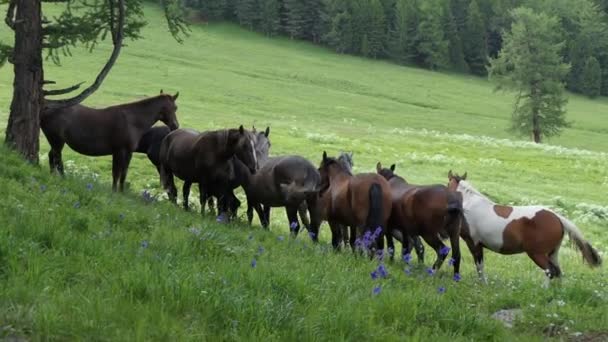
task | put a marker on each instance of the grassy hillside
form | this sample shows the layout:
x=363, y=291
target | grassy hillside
x=77, y=262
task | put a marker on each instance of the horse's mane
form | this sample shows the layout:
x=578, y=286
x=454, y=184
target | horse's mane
x=468, y=188
x=142, y=102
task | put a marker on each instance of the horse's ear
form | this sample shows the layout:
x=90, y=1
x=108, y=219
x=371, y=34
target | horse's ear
x=393, y=167
x=253, y=130
x=161, y=91
x=324, y=156
x=464, y=177
x=450, y=175
x=241, y=129
x=267, y=132
x=379, y=167
x=175, y=96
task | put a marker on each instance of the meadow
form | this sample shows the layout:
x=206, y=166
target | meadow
x=80, y=263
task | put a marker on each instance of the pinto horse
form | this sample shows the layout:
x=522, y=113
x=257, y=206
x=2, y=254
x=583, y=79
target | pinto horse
x=201, y=157
x=427, y=211
x=112, y=131
x=536, y=230
x=362, y=201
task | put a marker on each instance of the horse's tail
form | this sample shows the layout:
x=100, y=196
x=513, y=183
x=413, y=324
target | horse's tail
x=590, y=255
x=374, y=216
x=454, y=213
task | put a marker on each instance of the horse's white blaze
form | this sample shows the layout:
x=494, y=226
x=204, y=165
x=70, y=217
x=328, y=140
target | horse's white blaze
x=255, y=157
x=484, y=224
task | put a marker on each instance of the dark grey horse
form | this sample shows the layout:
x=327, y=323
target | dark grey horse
x=285, y=181
x=201, y=158
x=150, y=144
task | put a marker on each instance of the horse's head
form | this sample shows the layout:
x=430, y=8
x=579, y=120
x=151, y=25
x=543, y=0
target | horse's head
x=384, y=172
x=454, y=179
x=262, y=145
x=168, y=110
x=346, y=158
x=242, y=143
x=329, y=167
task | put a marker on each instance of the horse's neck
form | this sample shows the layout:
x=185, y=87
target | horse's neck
x=144, y=115
x=472, y=198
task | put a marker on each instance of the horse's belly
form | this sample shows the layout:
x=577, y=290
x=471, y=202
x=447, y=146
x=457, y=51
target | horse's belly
x=94, y=149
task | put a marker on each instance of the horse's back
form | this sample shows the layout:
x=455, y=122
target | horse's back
x=361, y=200
x=176, y=152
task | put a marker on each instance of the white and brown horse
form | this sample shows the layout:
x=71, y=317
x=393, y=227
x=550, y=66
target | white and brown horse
x=535, y=230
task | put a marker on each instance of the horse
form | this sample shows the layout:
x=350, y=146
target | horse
x=150, y=144
x=224, y=184
x=114, y=130
x=285, y=181
x=424, y=210
x=199, y=158
x=536, y=230
x=362, y=201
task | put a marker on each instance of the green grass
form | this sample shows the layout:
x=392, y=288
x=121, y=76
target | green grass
x=70, y=273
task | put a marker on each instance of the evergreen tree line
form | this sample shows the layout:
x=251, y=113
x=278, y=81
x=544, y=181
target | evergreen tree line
x=456, y=35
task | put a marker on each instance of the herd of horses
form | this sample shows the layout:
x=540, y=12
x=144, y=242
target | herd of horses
x=362, y=210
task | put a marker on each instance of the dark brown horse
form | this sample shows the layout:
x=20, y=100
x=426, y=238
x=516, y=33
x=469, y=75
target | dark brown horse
x=200, y=158
x=362, y=201
x=150, y=144
x=112, y=131
x=285, y=181
x=427, y=211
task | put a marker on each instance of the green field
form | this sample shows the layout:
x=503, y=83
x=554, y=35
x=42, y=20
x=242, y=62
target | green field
x=85, y=273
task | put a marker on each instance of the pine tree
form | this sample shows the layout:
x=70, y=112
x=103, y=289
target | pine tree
x=474, y=40
x=432, y=47
x=248, y=13
x=403, y=38
x=269, y=14
x=591, y=80
x=376, y=29
x=530, y=64
x=455, y=49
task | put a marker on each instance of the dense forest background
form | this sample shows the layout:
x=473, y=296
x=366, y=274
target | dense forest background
x=456, y=35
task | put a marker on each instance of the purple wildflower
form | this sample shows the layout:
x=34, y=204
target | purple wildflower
x=312, y=235
x=121, y=216
x=377, y=290
x=407, y=271
x=391, y=251
x=260, y=250
x=253, y=263
x=374, y=275
x=280, y=238
x=250, y=237
x=457, y=277
x=42, y=187
x=451, y=262
x=378, y=231
x=77, y=204
x=441, y=290
x=144, y=244
x=293, y=225
x=194, y=231
x=89, y=186
x=147, y=196
x=407, y=258
x=380, y=254
x=221, y=218
x=444, y=251
x=382, y=271
x=430, y=271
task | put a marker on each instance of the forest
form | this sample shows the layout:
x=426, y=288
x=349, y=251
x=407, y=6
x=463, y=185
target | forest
x=456, y=35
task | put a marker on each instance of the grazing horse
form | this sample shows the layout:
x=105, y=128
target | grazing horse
x=362, y=201
x=200, y=158
x=536, y=230
x=112, y=131
x=427, y=211
x=286, y=181
x=150, y=144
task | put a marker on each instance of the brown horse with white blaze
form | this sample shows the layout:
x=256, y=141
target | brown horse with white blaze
x=426, y=211
x=362, y=201
x=114, y=130
x=535, y=230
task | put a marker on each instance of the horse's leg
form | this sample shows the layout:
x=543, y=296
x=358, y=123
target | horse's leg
x=542, y=260
x=419, y=247
x=476, y=250
x=435, y=242
x=249, y=212
x=203, y=196
x=126, y=160
x=302, y=211
x=292, y=218
x=345, y=235
x=266, y=210
x=352, y=237
x=554, y=260
x=55, y=161
x=186, y=194
x=258, y=208
x=336, y=233
x=315, y=217
x=390, y=246
x=211, y=204
x=116, y=166
x=455, y=242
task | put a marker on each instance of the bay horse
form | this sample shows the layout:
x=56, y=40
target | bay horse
x=284, y=181
x=535, y=230
x=428, y=211
x=196, y=157
x=114, y=130
x=362, y=201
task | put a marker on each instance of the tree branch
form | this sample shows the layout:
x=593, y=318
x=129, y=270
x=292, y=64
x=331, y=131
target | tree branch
x=61, y=91
x=56, y=104
x=10, y=14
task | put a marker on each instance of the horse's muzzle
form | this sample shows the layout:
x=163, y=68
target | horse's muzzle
x=174, y=125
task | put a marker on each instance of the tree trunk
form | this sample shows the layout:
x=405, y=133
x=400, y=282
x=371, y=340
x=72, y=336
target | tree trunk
x=536, y=129
x=23, y=130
